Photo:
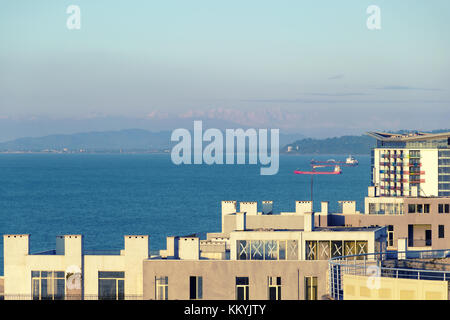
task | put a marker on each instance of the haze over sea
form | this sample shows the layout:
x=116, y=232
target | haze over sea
x=107, y=196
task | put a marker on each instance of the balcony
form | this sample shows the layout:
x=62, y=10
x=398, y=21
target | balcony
x=419, y=243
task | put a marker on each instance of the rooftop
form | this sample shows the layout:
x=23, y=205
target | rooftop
x=413, y=136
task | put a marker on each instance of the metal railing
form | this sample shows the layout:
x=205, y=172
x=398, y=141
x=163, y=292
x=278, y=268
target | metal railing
x=69, y=297
x=384, y=264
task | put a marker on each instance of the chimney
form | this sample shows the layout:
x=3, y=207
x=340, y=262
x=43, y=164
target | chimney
x=324, y=208
x=308, y=222
x=241, y=221
x=303, y=206
x=267, y=207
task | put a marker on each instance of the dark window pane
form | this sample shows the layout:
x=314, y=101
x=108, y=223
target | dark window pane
x=441, y=231
x=120, y=289
x=35, y=288
x=192, y=288
x=111, y=274
x=241, y=280
x=240, y=293
x=272, y=293
x=200, y=288
x=60, y=286
x=106, y=289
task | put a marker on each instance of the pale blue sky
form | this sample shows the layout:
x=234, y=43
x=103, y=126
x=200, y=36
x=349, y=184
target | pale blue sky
x=134, y=57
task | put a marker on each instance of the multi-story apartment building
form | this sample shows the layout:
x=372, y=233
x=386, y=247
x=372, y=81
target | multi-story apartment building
x=415, y=164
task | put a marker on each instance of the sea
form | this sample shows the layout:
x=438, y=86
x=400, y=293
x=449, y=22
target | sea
x=106, y=196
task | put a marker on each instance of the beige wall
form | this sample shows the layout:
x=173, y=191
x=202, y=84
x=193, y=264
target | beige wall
x=362, y=288
x=129, y=261
x=18, y=264
x=219, y=277
x=401, y=222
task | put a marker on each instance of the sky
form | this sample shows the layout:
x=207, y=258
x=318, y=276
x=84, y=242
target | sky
x=311, y=67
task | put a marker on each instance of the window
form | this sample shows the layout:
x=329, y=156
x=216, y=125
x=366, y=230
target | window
x=419, y=208
x=444, y=208
x=161, y=288
x=426, y=208
x=390, y=235
x=111, y=285
x=411, y=208
x=310, y=288
x=274, y=288
x=48, y=285
x=267, y=249
x=195, y=288
x=441, y=231
x=242, y=288
x=326, y=249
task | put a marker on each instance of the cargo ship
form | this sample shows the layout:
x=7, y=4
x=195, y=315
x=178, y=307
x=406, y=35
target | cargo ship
x=349, y=162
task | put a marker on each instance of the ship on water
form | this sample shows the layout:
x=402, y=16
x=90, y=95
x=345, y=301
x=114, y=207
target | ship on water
x=349, y=162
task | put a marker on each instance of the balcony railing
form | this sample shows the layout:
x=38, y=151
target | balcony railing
x=71, y=297
x=366, y=264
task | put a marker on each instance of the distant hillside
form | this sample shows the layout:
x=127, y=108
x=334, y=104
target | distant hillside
x=339, y=145
x=133, y=139
x=126, y=140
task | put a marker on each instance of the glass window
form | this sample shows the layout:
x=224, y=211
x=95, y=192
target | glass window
x=310, y=288
x=349, y=248
x=274, y=288
x=242, y=288
x=111, y=285
x=161, y=288
x=282, y=250
x=324, y=250
x=257, y=249
x=243, y=250
x=441, y=231
x=419, y=208
x=311, y=250
x=336, y=249
x=271, y=250
x=292, y=250
x=195, y=288
x=48, y=285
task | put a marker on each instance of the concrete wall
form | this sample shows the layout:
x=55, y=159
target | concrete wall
x=18, y=264
x=219, y=277
x=401, y=222
x=130, y=261
x=358, y=288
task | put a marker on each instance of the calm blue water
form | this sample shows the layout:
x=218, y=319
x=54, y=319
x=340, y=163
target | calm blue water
x=105, y=197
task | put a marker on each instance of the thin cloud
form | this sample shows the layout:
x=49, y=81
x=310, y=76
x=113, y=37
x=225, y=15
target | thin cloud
x=335, y=77
x=337, y=94
x=407, y=88
x=341, y=101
